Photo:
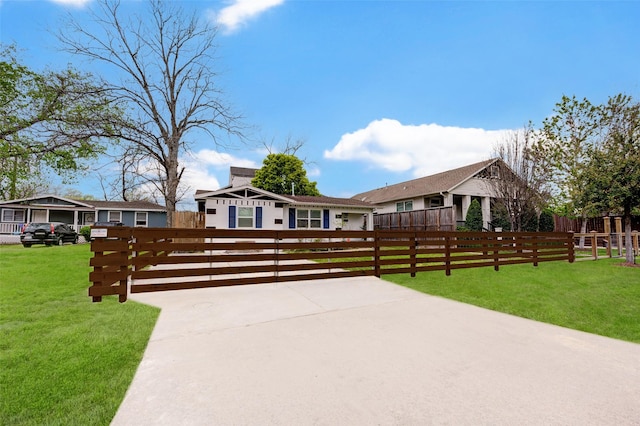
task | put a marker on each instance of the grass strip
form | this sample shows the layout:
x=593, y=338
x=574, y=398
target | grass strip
x=65, y=360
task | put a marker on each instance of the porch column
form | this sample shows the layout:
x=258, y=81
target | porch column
x=485, y=202
x=466, y=202
x=75, y=220
x=447, y=199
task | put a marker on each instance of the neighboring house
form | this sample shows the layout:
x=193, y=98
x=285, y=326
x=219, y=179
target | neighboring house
x=79, y=213
x=457, y=188
x=242, y=206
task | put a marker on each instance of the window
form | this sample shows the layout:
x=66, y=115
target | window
x=404, y=206
x=12, y=215
x=309, y=219
x=245, y=217
x=435, y=202
x=141, y=218
x=114, y=217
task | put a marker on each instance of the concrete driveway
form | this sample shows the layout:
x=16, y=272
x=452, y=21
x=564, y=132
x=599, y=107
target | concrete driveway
x=362, y=351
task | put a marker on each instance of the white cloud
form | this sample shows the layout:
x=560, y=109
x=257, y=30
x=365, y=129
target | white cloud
x=423, y=149
x=239, y=12
x=74, y=3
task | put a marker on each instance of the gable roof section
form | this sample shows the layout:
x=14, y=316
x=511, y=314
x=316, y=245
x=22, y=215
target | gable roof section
x=49, y=200
x=244, y=191
x=433, y=184
x=248, y=191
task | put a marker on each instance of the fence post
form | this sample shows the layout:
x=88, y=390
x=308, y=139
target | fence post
x=412, y=255
x=447, y=254
x=376, y=253
x=594, y=245
x=496, y=253
x=571, y=246
x=535, y=241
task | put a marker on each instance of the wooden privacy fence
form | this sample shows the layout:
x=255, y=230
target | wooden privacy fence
x=136, y=260
x=435, y=219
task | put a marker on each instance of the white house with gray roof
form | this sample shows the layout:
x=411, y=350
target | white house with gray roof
x=456, y=188
x=242, y=206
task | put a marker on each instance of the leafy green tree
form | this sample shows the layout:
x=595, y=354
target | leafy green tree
x=595, y=157
x=284, y=174
x=473, y=220
x=564, y=142
x=52, y=119
x=612, y=177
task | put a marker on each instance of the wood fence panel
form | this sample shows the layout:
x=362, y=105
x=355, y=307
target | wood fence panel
x=157, y=259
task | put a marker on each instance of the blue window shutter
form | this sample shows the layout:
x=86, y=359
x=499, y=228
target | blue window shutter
x=292, y=218
x=325, y=219
x=258, y=217
x=232, y=217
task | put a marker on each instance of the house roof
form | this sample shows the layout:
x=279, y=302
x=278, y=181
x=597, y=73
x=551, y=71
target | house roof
x=41, y=200
x=126, y=205
x=44, y=200
x=329, y=201
x=433, y=184
x=291, y=199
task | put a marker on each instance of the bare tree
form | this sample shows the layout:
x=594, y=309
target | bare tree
x=522, y=180
x=166, y=60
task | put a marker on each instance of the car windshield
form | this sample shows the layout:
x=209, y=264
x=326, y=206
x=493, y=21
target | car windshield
x=32, y=226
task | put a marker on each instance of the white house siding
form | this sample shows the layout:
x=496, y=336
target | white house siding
x=391, y=206
x=277, y=218
x=220, y=219
x=474, y=188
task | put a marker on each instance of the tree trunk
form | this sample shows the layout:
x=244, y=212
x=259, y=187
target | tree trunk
x=628, y=243
x=583, y=230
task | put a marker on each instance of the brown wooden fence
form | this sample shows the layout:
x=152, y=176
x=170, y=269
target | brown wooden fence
x=436, y=219
x=140, y=260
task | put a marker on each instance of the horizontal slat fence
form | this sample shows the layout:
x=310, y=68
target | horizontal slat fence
x=140, y=260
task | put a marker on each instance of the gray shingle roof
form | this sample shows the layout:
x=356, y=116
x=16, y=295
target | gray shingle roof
x=126, y=205
x=434, y=184
x=329, y=201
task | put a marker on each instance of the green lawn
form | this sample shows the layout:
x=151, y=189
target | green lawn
x=63, y=359
x=598, y=297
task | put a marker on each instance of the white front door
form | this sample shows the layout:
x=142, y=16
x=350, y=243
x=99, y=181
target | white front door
x=38, y=215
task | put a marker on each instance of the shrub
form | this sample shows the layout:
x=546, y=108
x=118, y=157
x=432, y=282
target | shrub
x=473, y=221
x=546, y=223
x=85, y=231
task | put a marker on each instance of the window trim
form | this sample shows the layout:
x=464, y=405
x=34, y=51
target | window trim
x=309, y=219
x=146, y=219
x=109, y=219
x=13, y=219
x=239, y=216
x=404, y=206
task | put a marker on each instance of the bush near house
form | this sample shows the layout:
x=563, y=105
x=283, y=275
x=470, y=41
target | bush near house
x=473, y=221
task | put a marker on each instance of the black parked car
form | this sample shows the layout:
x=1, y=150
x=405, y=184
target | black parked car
x=48, y=233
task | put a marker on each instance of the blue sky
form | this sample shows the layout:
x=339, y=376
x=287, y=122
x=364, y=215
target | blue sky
x=382, y=91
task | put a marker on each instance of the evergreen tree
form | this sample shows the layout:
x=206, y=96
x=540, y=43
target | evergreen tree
x=473, y=221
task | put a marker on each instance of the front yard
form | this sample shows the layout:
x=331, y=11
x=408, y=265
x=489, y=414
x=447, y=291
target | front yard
x=64, y=360
x=68, y=361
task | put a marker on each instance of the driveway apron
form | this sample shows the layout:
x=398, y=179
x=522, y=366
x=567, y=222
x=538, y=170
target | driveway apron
x=362, y=351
